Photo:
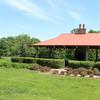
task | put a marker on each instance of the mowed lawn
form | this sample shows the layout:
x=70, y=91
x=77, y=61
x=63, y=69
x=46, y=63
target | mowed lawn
x=22, y=84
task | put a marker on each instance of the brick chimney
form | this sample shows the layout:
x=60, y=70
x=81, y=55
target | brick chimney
x=81, y=29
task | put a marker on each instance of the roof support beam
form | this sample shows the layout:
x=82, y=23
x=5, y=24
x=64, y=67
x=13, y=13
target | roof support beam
x=50, y=52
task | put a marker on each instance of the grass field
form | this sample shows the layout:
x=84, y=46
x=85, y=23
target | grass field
x=21, y=84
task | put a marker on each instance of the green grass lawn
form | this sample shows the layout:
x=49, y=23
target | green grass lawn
x=22, y=84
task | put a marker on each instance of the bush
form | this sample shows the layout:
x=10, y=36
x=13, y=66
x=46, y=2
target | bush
x=97, y=65
x=84, y=64
x=96, y=72
x=29, y=60
x=16, y=65
x=24, y=60
x=53, y=63
x=17, y=59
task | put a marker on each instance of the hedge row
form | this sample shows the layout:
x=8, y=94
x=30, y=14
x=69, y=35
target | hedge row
x=16, y=65
x=97, y=65
x=24, y=60
x=84, y=64
x=53, y=63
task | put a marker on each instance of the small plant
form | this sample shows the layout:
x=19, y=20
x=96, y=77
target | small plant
x=97, y=65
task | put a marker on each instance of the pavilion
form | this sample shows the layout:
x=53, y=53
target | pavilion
x=80, y=41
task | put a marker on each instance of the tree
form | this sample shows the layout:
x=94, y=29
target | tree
x=75, y=30
x=21, y=47
x=93, y=31
x=17, y=46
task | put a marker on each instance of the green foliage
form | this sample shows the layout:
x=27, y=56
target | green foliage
x=18, y=46
x=6, y=62
x=54, y=63
x=1, y=53
x=97, y=65
x=93, y=31
x=15, y=65
x=92, y=54
x=24, y=60
x=6, y=45
x=43, y=52
x=58, y=53
x=84, y=64
x=75, y=30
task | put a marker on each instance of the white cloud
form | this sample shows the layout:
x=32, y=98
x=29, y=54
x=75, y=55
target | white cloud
x=28, y=7
x=76, y=16
x=52, y=4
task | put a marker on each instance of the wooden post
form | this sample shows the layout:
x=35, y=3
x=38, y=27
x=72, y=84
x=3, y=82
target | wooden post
x=65, y=58
x=50, y=52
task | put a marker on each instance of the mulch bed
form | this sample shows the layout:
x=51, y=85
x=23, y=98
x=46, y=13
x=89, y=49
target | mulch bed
x=82, y=72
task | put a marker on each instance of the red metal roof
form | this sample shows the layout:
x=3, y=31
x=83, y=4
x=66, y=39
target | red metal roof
x=88, y=39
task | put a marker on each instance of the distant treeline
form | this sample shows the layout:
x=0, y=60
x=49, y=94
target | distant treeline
x=17, y=46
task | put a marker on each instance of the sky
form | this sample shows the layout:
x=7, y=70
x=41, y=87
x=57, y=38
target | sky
x=46, y=19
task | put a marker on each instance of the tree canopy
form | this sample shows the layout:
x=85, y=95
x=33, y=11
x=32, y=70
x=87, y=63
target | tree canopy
x=93, y=31
x=17, y=46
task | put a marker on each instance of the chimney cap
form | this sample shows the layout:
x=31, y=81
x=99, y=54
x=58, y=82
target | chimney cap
x=83, y=25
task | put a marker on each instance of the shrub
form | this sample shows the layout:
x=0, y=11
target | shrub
x=97, y=65
x=53, y=63
x=16, y=65
x=24, y=60
x=84, y=64
x=17, y=59
x=29, y=60
x=96, y=72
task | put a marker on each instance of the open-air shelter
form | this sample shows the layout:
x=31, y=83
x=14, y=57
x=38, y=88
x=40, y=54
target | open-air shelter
x=80, y=41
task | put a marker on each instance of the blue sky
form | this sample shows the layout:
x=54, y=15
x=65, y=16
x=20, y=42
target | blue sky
x=46, y=19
